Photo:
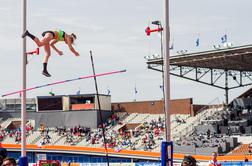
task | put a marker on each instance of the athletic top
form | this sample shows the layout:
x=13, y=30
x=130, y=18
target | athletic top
x=214, y=163
x=61, y=35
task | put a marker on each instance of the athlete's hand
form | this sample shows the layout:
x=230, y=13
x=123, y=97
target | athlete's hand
x=60, y=53
x=76, y=54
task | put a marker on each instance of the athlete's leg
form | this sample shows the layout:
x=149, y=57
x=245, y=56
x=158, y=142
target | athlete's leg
x=45, y=40
x=46, y=58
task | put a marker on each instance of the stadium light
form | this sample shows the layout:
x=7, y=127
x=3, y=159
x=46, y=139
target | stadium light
x=182, y=52
x=228, y=45
x=155, y=56
x=216, y=46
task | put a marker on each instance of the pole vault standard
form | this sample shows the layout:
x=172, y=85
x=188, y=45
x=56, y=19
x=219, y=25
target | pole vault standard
x=24, y=159
x=166, y=161
x=167, y=69
x=62, y=82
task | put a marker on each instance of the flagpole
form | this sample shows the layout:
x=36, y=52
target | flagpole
x=135, y=90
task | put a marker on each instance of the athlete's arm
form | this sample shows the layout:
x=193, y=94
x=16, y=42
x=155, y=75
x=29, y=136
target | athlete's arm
x=69, y=43
x=53, y=46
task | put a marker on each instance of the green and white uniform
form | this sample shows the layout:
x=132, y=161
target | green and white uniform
x=61, y=35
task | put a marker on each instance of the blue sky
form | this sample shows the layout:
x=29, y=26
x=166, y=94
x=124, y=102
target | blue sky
x=114, y=31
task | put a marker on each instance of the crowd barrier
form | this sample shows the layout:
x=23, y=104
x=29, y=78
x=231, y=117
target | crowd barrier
x=177, y=156
x=237, y=164
x=157, y=164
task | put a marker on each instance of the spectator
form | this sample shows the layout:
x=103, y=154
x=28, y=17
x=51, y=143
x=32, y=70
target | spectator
x=3, y=155
x=189, y=161
x=9, y=162
x=214, y=161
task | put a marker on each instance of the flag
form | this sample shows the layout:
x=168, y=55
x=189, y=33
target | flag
x=197, y=42
x=51, y=93
x=78, y=92
x=135, y=90
x=224, y=38
x=108, y=91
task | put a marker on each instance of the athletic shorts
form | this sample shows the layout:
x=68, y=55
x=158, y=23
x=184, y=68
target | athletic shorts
x=51, y=32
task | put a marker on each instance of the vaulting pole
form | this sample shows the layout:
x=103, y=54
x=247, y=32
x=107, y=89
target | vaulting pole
x=62, y=82
x=99, y=107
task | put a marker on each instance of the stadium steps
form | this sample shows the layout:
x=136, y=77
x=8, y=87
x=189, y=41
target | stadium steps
x=6, y=123
x=31, y=139
x=125, y=121
x=187, y=128
x=121, y=115
x=61, y=140
x=32, y=136
x=130, y=117
x=83, y=142
x=35, y=137
x=57, y=141
x=54, y=137
x=154, y=117
x=9, y=140
x=243, y=149
x=139, y=118
x=139, y=144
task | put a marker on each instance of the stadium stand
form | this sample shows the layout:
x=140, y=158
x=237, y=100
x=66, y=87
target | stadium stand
x=213, y=128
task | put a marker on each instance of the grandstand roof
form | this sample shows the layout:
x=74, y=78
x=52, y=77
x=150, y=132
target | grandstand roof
x=233, y=58
x=246, y=94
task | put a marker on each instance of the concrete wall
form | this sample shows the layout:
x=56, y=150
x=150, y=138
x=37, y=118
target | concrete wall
x=105, y=102
x=62, y=118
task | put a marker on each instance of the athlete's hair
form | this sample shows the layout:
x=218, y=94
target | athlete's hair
x=73, y=37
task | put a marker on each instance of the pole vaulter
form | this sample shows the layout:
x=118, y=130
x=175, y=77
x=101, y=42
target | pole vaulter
x=62, y=82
